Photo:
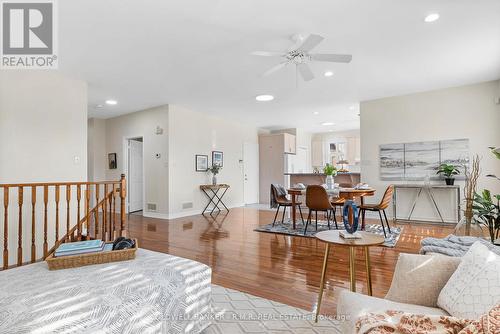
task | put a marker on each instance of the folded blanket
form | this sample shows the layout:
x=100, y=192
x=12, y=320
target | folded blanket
x=453, y=245
x=397, y=322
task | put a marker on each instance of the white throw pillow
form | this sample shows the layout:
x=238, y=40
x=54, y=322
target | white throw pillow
x=474, y=288
x=425, y=274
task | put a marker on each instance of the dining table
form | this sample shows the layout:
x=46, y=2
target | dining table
x=346, y=193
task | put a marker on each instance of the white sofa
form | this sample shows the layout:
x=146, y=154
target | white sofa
x=416, y=284
x=463, y=287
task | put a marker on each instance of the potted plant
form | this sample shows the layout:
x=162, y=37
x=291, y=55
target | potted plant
x=330, y=171
x=487, y=212
x=448, y=171
x=487, y=207
x=214, y=169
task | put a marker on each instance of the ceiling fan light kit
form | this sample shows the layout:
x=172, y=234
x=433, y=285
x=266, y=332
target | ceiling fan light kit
x=300, y=57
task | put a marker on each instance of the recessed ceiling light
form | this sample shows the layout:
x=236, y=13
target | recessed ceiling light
x=264, y=98
x=111, y=102
x=431, y=17
x=352, y=107
x=316, y=113
x=99, y=106
x=327, y=123
x=330, y=130
x=328, y=73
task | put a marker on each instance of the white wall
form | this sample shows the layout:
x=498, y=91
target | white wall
x=142, y=124
x=461, y=112
x=43, y=138
x=43, y=127
x=192, y=133
x=96, y=149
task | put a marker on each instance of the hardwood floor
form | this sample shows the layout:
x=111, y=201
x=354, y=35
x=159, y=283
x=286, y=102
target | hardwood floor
x=277, y=267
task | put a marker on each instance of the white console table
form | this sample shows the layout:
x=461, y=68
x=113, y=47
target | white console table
x=428, y=188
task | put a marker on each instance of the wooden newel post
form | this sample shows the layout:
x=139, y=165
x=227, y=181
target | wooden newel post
x=123, y=194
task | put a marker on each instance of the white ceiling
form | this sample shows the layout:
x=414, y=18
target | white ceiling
x=196, y=53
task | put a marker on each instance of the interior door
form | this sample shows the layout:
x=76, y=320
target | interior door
x=135, y=173
x=251, y=172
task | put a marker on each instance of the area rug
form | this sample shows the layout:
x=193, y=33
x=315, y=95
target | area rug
x=286, y=228
x=237, y=312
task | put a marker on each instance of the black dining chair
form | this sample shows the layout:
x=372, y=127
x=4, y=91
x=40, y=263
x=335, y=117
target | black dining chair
x=279, y=199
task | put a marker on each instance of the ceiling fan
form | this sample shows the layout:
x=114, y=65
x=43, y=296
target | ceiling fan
x=299, y=55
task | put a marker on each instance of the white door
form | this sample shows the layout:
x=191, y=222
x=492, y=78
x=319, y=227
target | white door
x=135, y=172
x=251, y=173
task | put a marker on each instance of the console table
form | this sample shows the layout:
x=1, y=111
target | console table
x=428, y=188
x=211, y=191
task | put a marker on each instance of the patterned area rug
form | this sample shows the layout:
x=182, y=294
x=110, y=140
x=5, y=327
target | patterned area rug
x=286, y=228
x=237, y=312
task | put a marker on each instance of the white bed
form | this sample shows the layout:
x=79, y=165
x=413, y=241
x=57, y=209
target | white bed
x=155, y=293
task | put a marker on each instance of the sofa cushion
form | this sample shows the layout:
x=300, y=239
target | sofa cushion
x=352, y=305
x=418, y=279
x=474, y=288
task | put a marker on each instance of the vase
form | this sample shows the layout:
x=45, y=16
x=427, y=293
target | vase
x=214, y=180
x=470, y=228
x=329, y=181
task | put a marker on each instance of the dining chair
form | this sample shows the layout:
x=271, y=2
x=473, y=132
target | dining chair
x=380, y=207
x=279, y=199
x=317, y=200
x=336, y=203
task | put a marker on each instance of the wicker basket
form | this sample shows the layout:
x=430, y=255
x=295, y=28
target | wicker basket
x=73, y=261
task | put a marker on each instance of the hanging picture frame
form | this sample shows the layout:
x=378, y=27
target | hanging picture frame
x=201, y=163
x=218, y=158
x=112, y=161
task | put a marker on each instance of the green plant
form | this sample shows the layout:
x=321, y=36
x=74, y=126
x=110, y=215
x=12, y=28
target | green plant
x=487, y=212
x=496, y=152
x=330, y=170
x=214, y=169
x=448, y=170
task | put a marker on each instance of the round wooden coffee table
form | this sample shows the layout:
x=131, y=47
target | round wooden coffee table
x=333, y=238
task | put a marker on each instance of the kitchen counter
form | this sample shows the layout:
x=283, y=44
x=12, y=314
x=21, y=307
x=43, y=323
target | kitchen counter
x=348, y=179
x=322, y=174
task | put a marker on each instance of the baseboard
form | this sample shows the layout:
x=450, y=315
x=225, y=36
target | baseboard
x=182, y=214
x=155, y=215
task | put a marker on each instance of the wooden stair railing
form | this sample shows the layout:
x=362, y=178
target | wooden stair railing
x=98, y=222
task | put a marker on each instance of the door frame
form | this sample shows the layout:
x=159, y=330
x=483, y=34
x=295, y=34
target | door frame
x=126, y=171
x=256, y=145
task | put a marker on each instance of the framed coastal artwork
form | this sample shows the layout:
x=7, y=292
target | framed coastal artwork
x=218, y=158
x=418, y=160
x=201, y=163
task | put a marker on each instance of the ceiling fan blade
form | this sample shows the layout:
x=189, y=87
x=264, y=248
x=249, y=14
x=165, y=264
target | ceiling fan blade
x=274, y=69
x=267, y=54
x=305, y=72
x=310, y=42
x=331, y=57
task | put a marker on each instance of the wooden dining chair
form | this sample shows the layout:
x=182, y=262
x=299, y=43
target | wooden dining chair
x=317, y=200
x=336, y=203
x=278, y=194
x=380, y=207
